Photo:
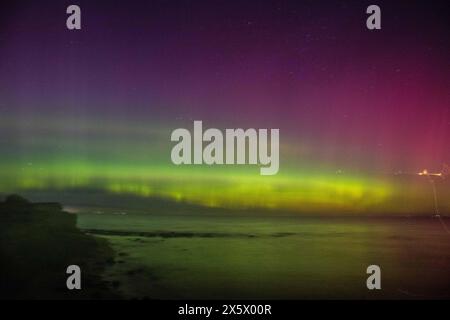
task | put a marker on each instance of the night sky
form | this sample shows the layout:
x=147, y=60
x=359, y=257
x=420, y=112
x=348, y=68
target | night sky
x=94, y=108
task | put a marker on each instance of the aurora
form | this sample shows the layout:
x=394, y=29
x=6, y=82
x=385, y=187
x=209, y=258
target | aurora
x=81, y=114
x=236, y=150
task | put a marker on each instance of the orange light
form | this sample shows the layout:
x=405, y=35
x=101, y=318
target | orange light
x=423, y=173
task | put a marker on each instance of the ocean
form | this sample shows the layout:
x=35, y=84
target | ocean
x=232, y=257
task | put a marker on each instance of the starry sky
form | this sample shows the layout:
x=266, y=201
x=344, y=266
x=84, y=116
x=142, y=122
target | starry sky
x=359, y=111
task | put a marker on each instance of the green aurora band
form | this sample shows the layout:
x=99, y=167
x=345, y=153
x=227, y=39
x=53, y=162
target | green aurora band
x=135, y=160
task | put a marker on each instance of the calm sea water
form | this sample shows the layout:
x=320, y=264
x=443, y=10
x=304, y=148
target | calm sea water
x=178, y=257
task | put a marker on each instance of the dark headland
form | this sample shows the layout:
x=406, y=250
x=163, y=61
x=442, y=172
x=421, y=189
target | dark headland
x=38, y=241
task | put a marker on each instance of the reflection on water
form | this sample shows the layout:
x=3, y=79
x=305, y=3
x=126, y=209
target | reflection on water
x=279, y=258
